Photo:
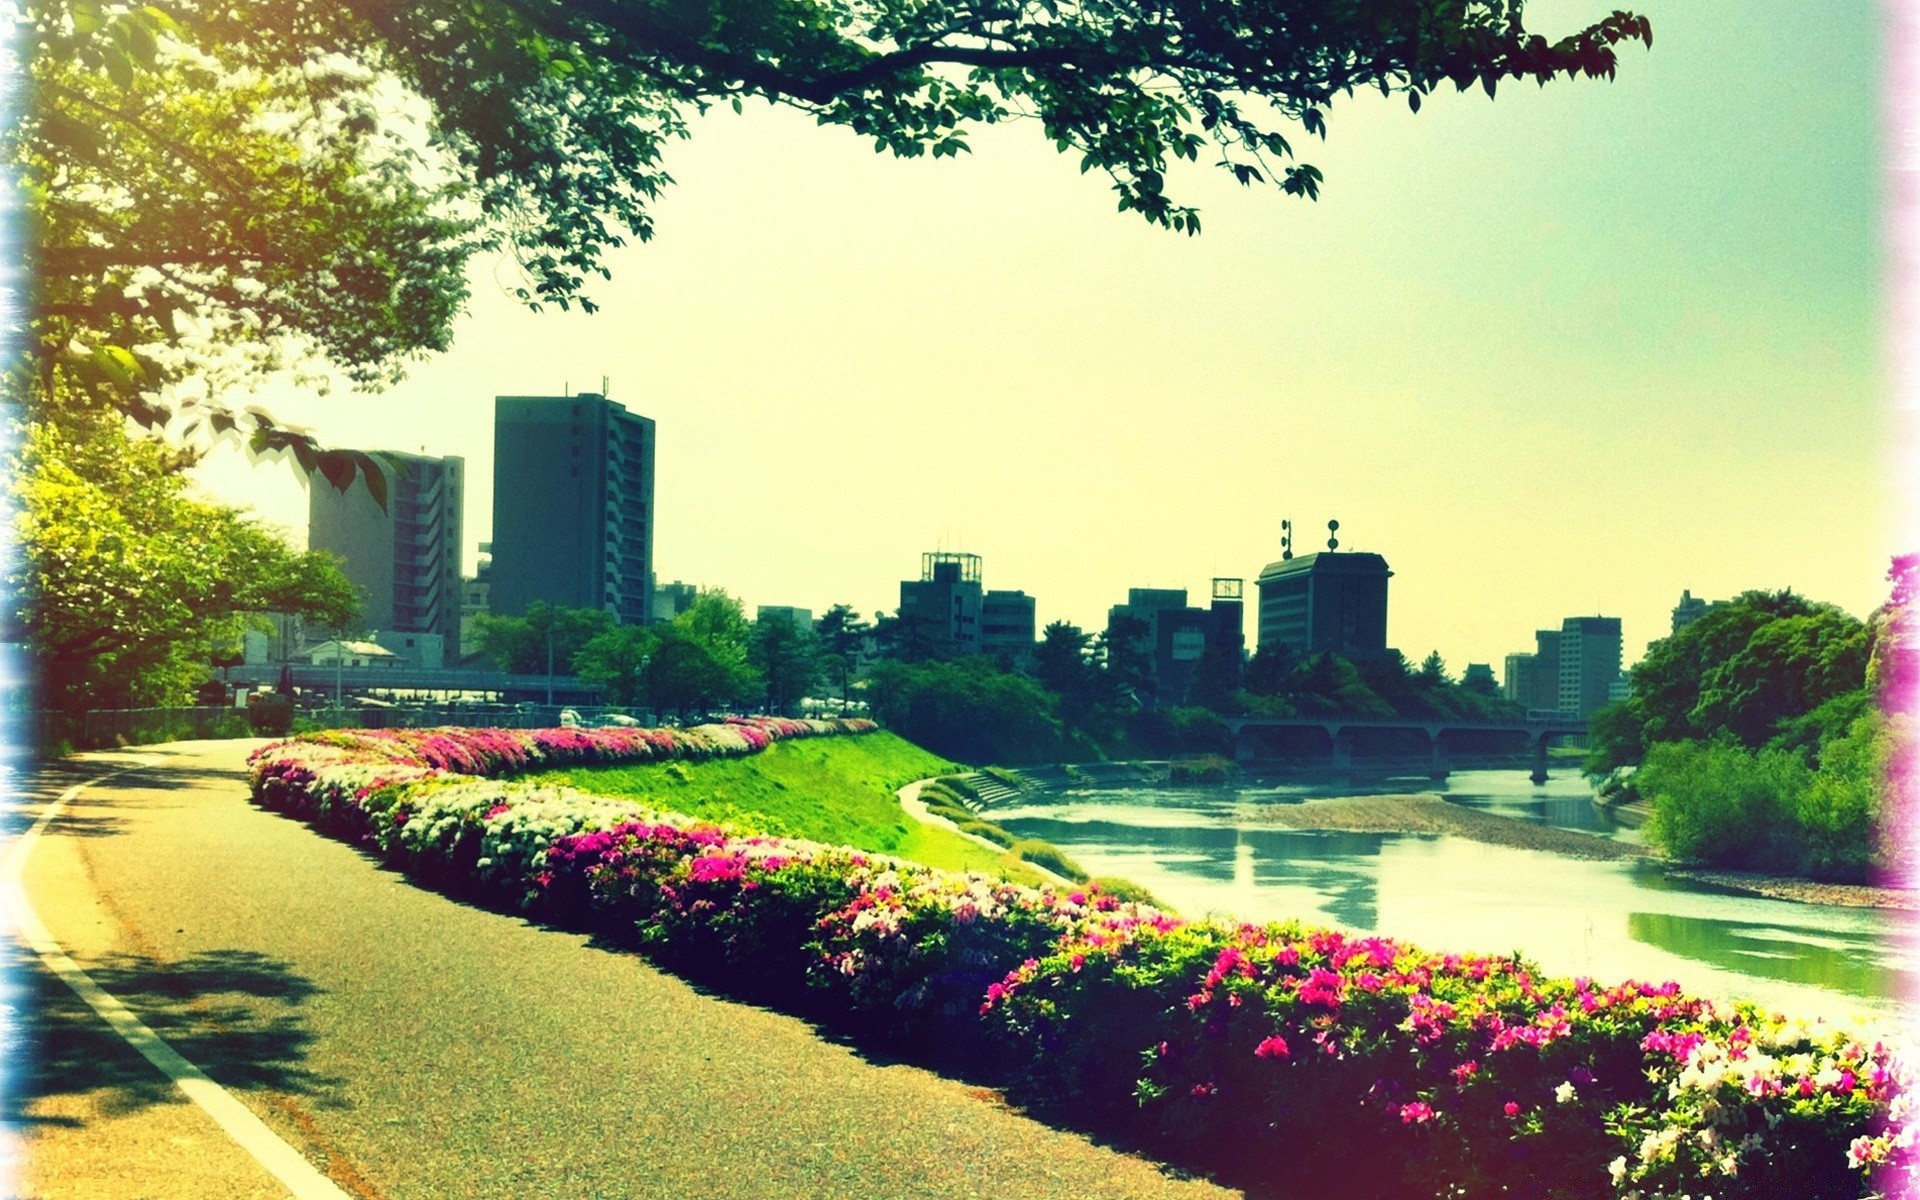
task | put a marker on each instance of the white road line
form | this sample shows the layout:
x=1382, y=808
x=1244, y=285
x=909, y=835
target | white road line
x=288, y=1165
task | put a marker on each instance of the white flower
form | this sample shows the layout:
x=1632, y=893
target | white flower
x=1618, y=1169
x=1563, y=1093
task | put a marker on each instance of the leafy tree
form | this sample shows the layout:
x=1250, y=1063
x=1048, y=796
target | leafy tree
x=969, y=710
x=841, y=632
x=128, y=584
x=1267, y=671
x=1063, y=663
x=616, y=660
x=539, y=126
x=787, y=656
x=717, y=623
x=683, y=675
x=547, y=634
x=1753, y=668
x=1125, y=655
x=908, y=637
x=1215, y=681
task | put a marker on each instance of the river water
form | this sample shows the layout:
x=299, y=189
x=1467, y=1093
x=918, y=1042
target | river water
x=1195, y=849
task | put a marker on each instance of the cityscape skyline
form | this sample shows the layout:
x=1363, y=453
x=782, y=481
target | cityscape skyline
x=1570, y=351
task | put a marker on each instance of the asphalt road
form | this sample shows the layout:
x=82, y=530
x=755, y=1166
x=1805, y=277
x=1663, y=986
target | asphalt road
x=415, y=1047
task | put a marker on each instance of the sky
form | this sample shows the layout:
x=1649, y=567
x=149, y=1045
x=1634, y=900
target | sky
x=1565, y=352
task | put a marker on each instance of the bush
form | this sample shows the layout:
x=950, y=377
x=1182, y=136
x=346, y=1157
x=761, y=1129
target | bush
x=1720, y=805
x=1205, y=768
x=1050, y=856
x=988, y=830
x=1124, y=890
x=1301, y=1061
x=270, y=714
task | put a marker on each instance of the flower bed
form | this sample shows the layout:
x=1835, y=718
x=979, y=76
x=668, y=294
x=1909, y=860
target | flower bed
x=1280, y=1057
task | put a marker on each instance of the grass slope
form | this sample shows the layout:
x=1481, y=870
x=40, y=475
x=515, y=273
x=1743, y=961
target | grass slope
x=835, y=790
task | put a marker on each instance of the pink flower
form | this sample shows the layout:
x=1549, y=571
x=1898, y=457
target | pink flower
x=1417, y=1113
x=1512, y=1109
x=1273, y=1047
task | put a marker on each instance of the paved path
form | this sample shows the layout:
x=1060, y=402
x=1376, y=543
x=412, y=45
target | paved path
x=411, y=1046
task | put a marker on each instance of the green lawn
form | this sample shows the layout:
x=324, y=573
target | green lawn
x=838, y=790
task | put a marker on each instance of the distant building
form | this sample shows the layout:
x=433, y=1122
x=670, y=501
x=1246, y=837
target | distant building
x=1479, y=675
x=672, y=599
x=405, y=557
x=1332, y=601
x=1145, y=606
x=1533, y=680
x=1007, y=626
x=799, y=618
x=1589, y=663
x=1691, y=608
x=475, y=601
x=945, y=602
x=572, y=505
x=1228, y=633
x=352, y=654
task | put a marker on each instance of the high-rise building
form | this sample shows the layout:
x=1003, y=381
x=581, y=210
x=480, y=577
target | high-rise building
x=1006, y=625
x=944, y=603
x=1533, y=680
x=572, y=505
x=1589, y=663
x=405, y=557
x=1334, y=601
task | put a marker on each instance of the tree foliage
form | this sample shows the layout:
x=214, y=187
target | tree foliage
x=787, y=657
x=129, y=583
x=206, y=176
x=546, y=634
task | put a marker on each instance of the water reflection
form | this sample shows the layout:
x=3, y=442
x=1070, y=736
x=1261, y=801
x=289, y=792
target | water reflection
x=1197, y=849
x=1842, y=961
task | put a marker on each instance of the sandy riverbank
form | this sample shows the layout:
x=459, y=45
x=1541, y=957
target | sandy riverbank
x=1426, y=813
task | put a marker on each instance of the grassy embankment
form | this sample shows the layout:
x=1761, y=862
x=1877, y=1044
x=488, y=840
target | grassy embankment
x=834, y=790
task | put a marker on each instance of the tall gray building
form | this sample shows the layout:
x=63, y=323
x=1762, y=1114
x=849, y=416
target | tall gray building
x=1589, y=663
x=572, y=505
x=1007, y=625
x=1533, y=679
x=945, y=602
x=1331, y=601
x=406, y=558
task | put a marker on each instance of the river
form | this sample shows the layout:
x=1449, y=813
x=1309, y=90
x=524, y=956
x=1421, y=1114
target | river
x=1196, y=850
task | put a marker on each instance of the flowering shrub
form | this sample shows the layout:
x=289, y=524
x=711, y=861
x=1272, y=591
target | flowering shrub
x=1231, y=1048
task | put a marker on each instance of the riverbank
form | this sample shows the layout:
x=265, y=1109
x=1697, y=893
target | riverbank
x=1428, y=814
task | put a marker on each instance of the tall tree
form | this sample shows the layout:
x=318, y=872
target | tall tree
x=787, y=656
x=545, y=636
x=842, y=633
x=350, y=155
x=129, y=583
x=1063, y=663
x=616, y=660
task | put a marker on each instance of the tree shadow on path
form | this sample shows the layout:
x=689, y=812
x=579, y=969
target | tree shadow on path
x=231, y=1013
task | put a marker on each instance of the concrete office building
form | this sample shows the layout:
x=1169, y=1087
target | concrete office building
x=1533, y=680
x=1589, y=663
x=1332, y=601
x=944, y=604
x=572, y=505
x=1007, y=626
x=405, y=557
x=1174, y=635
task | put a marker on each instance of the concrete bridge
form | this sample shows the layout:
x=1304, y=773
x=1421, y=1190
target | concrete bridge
x=1340, y=732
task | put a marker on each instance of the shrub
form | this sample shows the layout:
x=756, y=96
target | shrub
x=1050, y=856
x=270, y=714
x=1304, y=1061
x=987, y=830
x=1124, y=890
x=1721, y=805
x=1205, y=768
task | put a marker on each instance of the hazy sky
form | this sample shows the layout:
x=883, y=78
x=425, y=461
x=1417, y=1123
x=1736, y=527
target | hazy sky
x=1565, y=352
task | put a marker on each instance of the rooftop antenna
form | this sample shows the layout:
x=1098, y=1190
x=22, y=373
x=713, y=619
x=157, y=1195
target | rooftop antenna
x=606, y=385
x=1286, y=540
x=1333, y=527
